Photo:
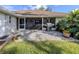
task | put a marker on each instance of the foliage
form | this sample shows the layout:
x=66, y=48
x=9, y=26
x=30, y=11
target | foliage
x=41, y=8
x=63, y=25
x=70, y=23
x=42, y=47
x=77, y=35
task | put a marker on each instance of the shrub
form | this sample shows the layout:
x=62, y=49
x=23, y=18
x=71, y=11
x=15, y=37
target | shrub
x=77, y=35
x=73, y=31
x=62, y=25
x=70, y=23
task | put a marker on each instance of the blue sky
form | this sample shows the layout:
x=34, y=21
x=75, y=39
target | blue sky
x=56, y=8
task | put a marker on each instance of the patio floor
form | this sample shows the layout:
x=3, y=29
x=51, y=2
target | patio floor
x=38, y=35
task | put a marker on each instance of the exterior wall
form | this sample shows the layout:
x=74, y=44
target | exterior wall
x=13, y=24
x=7, y=25
x=10, y=24
x=2, y=24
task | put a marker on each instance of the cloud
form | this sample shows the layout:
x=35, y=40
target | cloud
x=9, y=7
x=38, y=6
x=29, y=7
x=18, y=7
x=23, y=7
x=33, y=7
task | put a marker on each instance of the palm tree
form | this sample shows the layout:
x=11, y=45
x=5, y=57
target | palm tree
x=71, y=22
x=74, y=13
x=73, y=19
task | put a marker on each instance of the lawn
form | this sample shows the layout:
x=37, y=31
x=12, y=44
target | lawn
x=43, y=47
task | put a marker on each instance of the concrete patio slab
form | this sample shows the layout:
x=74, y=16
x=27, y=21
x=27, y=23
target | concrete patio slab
x=38, y=35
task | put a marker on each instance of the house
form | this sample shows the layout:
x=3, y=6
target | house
x=27, y=19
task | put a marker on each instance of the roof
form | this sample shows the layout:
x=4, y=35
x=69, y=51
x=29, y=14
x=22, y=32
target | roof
x=6, y=11
x=40, y=13
x=32, y=13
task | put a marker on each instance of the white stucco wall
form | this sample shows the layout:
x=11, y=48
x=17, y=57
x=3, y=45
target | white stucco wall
x=5, y=26
x=10, y=26
x=13, y=24
x=2, y=24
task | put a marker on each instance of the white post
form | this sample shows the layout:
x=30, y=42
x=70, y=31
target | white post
x=55, y=22
x=18, y=23
x=48, y=26
x=24, y=24
x=48, y=20
x=42, y=23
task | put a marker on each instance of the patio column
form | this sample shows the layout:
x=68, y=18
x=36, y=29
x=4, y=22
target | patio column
x=24, y=24
x=18, y=23
x=48, y=20
x=42, y=23
x=48, y=28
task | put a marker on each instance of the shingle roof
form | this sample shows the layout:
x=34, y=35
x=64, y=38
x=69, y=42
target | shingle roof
x=40, y=13
x=33, y=13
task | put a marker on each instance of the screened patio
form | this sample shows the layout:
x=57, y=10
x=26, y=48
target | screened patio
x=35, y=23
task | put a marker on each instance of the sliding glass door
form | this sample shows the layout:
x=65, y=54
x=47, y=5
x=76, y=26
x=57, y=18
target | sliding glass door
x=21, y=24
x=29, y=23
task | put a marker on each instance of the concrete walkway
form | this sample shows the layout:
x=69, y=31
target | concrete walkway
x=37, y=35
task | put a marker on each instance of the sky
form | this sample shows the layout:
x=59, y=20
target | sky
x=55, y=8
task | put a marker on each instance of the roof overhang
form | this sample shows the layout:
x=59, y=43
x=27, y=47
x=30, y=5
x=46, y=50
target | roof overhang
x=3, y=10
x=38, y=16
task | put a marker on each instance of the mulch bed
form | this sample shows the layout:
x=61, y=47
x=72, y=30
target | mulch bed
x=1, y=42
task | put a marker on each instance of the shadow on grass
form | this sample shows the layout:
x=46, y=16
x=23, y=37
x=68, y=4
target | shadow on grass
x=77, y=42
x=48, y=48
x=12, y=50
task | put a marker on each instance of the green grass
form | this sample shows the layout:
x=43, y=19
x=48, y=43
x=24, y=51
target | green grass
x=43, y=47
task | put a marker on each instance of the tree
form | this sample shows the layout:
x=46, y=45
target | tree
x=41, y=8
x=49, y=9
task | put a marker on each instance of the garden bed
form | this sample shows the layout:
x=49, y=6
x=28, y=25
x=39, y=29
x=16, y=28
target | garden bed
x=1, y=42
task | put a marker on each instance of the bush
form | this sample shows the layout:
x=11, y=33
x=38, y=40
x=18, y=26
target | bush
x=77, y=35
x=73, y=31
x=62, y=25
x=70, y=23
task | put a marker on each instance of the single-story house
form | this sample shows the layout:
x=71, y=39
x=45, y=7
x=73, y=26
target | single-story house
x=27, y=20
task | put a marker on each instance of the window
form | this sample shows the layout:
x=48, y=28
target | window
x=21, y=26
x=21, y=23
x=38, y=22
x=9, y=19
x=52, y=20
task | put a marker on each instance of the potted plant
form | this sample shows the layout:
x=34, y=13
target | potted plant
x=66, y=33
